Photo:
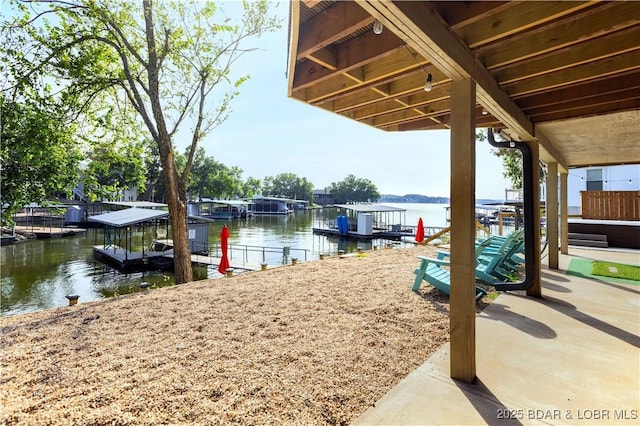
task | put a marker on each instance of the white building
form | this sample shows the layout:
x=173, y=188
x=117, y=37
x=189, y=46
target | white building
x=609, y=178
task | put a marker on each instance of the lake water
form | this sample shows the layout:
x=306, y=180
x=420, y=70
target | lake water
x=38, y=274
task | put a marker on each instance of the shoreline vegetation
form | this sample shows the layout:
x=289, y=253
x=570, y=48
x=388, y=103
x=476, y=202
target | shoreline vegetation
x=314, y=343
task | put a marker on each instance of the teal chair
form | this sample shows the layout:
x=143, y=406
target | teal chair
x=433, y=272
x=497, y=261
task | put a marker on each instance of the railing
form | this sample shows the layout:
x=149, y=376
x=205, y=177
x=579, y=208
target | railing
x=252, y=256
x=611, y=205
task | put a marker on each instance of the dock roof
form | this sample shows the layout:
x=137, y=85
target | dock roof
x=370, y=208
x=144, y=204
x=128, y=217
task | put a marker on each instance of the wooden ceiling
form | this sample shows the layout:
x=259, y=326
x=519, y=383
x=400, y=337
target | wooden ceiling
x=566, y=74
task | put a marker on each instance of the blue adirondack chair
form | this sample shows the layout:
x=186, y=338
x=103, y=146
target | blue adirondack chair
x=494, y=261
x=433, y=272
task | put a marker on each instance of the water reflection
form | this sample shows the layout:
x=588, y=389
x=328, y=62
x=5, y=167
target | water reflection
x=38, y=274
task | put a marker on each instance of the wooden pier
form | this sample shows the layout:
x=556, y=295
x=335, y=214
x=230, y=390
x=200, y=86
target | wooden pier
x=126, y=260
x=47, y=231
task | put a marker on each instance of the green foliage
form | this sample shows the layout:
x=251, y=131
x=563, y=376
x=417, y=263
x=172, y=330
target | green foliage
x=512, y=166
x=38, y=154
x=170, y=60
x=288, y=185
x=352, y=189
x=114, y=168
x=212, y=179
x=251, y=187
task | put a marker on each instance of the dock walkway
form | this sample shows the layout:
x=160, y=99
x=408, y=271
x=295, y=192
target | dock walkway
x=126, y=260
x=47, y=231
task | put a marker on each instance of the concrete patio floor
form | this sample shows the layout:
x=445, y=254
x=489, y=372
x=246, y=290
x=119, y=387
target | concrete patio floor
x=572, y=357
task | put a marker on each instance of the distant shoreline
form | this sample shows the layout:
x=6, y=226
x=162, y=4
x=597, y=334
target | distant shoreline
x=417, y=198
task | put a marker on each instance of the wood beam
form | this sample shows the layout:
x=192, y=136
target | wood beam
x=564, y=59
x=601, y=20
x=584, y=90
x=330, y=25
x=505, y=23
x=326, y=57
x=434, y=109
x=626, y=62
x=425, y=123
x=394, y=66
x=460, y=14
x=462, y=325
x=311, y=3
x=418, y=99
x=351, y=54
x=594, y=104
x=295, y=27
x=627, y=105
x=424, y=30
x=397, y=86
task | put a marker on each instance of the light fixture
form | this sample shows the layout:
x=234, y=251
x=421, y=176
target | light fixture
x=428, y=83
x=484, y=111
x=377, y=27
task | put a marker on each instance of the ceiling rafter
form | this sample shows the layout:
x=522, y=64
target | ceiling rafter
x=534, y=63
x=624, y=42
x=621, y=104
x=390, y=68
x=628, y=61
x=349, y=55
x=431, y=37
x=581, y=91
x=602, y=102
x=331, y=25
x=599, y=21
x=505, y=24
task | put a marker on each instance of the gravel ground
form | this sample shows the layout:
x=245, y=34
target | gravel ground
x=306, y=344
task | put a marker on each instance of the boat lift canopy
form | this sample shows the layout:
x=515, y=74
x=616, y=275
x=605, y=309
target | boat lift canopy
x=127, y=217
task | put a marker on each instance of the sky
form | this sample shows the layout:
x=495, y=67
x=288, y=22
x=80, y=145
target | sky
x=268, y=133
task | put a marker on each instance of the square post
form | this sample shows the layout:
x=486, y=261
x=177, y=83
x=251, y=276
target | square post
x=462, y=325
x=564, y=214
x=536, y=289
x=552, y=214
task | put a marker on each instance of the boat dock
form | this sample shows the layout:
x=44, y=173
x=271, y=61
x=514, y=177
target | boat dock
x=47, y=231
x=126, y=260
x=366, y=222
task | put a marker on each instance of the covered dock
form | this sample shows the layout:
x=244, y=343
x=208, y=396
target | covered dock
x=118, y=248
x=366, y=221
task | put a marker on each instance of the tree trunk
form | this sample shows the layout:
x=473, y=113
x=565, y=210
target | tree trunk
x=176, y=199
x=174, y=186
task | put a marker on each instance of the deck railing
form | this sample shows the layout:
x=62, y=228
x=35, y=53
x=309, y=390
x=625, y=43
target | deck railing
x=611, y=205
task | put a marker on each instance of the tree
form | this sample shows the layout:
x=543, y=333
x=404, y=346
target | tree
x=252, y=186
x=171, y=60
x=352, y=189
x=113, y=169
x=288, y=185
x=38, y=154
x=210, y=178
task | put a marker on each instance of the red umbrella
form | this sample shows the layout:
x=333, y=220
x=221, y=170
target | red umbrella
x=224, y=245
x=420, y=231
